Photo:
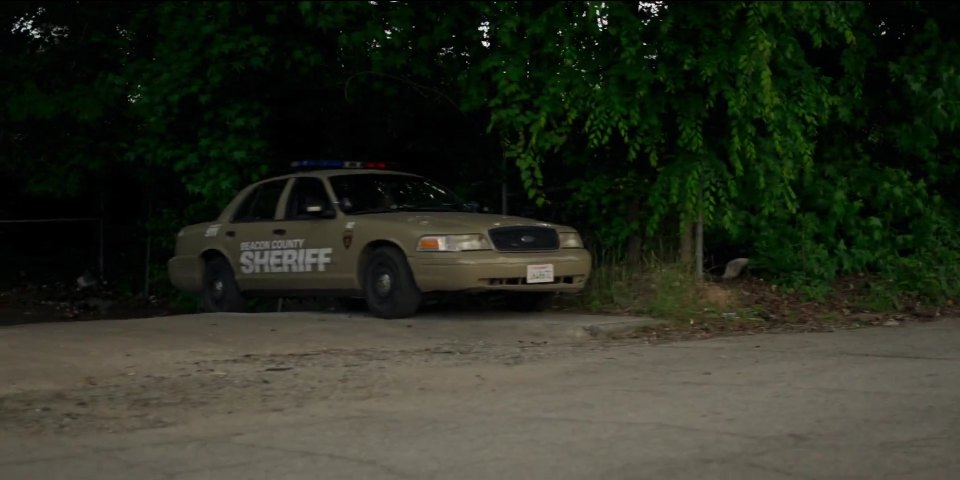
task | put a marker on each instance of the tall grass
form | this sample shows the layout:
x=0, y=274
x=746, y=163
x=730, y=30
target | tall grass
x=650, y=286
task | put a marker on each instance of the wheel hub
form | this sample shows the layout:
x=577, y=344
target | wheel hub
x=218, y=288
x=384, y=284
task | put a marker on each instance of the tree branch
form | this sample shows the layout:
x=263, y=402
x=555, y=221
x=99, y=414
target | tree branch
x=416, y=86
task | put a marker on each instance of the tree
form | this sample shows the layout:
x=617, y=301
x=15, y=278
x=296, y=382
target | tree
x=815, y=136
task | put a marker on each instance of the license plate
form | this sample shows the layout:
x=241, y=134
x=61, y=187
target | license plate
x=540, y=273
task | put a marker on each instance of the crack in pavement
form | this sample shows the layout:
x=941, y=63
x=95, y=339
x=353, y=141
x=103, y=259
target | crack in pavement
x=772, y=469
x=805, y=351
x=925, y=468
x=640, y=423
x=731, y=459
x=796, y=388
x=367, y=462
x=898, y=356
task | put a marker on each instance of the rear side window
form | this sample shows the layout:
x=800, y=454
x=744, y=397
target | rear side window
x=261, y=202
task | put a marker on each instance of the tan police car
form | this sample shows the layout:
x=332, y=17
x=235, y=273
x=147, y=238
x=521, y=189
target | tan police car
x=386, y=236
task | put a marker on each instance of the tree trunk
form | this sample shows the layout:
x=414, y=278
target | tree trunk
x=686, y=246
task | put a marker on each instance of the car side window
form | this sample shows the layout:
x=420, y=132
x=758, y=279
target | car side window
x=261, y=203
x=307, y=195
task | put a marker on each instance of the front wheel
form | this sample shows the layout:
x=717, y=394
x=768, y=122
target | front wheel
x=389, y=287
x=220, y=290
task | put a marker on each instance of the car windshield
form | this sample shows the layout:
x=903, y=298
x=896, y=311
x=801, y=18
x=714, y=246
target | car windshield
x=379, y=193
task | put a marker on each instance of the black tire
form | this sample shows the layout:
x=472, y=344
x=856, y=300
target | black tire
x=531, y=301
x=389, y=286
x=220, y=290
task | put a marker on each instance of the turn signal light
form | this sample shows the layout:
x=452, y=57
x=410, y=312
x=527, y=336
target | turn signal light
x=429, y=243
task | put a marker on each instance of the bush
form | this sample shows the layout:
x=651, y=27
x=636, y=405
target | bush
x=866, y=220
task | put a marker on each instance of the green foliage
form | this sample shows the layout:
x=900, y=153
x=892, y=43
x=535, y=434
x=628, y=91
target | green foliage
x=196, y=97
x=63, y=102
x=684, y=99
x=820, y=137
x=862, y=220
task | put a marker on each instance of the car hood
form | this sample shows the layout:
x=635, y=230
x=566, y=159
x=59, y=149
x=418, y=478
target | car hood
x=452, y=222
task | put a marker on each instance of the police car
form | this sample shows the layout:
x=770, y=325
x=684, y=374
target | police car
x=357, y=230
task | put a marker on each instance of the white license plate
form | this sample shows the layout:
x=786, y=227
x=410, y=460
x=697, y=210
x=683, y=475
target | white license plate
x=540, y=273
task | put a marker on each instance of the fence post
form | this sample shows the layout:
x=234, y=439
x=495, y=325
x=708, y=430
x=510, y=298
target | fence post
x=699, y=238
x=146, y=266
x=102, y=207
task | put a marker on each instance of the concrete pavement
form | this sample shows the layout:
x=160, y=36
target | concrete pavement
x=872, y=403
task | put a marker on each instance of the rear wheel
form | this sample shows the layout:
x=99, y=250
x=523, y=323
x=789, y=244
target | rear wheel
x=220, y=290
x=531, y=301
x=389, y=286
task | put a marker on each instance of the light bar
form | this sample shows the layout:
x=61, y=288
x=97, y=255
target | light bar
x=317, y=164
x=336, y=164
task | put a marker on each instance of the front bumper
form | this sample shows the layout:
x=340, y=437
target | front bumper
x=490, y=270
x=186, y=273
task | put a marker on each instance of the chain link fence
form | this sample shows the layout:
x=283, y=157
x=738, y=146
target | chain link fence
x=51, y=250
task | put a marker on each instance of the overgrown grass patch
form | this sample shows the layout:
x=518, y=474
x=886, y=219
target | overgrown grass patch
x=665, y=291
x=744, y=306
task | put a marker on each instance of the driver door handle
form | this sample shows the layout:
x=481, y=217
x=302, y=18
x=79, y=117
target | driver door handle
x=279, y=231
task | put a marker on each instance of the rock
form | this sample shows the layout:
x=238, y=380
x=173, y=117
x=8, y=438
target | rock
x=99, y=304
x=926, y=311
x=86, y=280
x=614, y=329
x=735, y=267
x=891, y=323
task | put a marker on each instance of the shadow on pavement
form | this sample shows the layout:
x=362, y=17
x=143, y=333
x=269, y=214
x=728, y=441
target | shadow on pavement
x=27, y=309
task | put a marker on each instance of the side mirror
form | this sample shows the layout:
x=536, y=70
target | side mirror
x=318, y=210
x=475, y=207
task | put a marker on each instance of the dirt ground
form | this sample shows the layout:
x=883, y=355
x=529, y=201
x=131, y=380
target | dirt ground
x=73, y=378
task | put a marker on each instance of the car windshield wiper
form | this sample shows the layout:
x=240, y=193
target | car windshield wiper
x=437, y=208
x=371, y=210
x=407, y=208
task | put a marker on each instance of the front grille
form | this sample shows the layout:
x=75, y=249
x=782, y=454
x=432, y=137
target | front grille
x=524, y=239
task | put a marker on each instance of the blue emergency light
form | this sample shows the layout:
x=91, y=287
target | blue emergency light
x=317, y=164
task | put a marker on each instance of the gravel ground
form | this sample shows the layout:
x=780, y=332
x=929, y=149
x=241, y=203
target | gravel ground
x=118, y=376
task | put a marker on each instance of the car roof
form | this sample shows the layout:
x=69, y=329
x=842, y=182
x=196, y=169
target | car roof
x=336, y=173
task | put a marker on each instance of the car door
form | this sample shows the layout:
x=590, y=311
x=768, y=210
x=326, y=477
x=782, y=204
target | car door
x=252, y=237
x=314, y=239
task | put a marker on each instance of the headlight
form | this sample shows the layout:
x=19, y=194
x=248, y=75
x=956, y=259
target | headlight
x=570, y=240
x=452, y=243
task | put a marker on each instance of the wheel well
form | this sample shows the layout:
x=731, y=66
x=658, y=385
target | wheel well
x=211, y=254
x=365, y=255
